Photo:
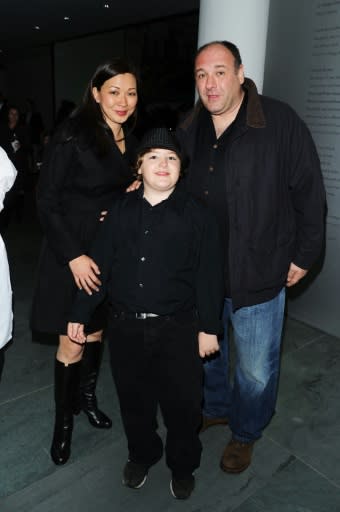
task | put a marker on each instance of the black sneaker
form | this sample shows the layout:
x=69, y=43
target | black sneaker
x=134, y=474
x=181, y=488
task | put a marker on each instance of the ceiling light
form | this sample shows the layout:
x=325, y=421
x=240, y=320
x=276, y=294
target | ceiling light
x=36, y=27
x=106, y=6
x=67, y=18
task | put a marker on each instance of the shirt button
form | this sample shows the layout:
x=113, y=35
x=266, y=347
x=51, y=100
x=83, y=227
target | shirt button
x=215, y=146
x=142, y=258
x=211, y=168
x=206, y=192
x=141, y=285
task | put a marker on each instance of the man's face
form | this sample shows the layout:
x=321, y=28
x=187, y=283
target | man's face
x=218, y=82
x=13, y=115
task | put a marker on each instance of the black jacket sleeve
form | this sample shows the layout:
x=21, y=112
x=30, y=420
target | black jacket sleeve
x=102, y=252
x=55, y=175
x=308, y=195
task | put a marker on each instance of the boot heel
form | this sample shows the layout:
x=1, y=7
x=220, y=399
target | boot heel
x=61, y=444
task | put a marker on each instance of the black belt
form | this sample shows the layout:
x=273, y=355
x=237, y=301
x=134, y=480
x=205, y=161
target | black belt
x=134, y=316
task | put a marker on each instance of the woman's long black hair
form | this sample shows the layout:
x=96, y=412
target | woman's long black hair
x=86, y=121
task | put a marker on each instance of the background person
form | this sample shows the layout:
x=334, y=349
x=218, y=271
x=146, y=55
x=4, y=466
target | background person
x=14, y=139
x=7, y=178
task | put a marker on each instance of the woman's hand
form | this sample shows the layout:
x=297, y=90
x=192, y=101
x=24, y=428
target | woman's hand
x=85, y=272
x=207, y=344
x=134, y=186
x=76, y=333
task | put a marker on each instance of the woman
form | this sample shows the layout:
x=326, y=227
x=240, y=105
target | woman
x=7, y=178
x=87, y=166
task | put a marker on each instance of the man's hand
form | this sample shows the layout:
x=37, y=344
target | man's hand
x=134, y=186
x=295, y=274
x=207, y=344
x=85, y=272
x=75, y=332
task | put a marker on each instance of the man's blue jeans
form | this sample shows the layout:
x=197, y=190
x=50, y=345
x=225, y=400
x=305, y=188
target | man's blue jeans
x=249, y=401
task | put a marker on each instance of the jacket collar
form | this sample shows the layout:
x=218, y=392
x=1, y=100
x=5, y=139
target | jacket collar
x=255, y=114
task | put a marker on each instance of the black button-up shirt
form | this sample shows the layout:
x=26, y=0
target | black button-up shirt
x=208, y=175
x=159, y=259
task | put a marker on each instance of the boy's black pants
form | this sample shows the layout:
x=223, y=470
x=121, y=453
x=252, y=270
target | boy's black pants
x=156, y=362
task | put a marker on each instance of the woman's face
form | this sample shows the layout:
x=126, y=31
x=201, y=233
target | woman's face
x=117, y=99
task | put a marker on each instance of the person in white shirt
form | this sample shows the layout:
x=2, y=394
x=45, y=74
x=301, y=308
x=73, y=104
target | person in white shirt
x=7, y=177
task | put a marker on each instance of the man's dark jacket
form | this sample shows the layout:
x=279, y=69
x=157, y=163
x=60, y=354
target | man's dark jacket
x=275, y=195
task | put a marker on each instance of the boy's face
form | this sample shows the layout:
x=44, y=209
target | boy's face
x=160, y=170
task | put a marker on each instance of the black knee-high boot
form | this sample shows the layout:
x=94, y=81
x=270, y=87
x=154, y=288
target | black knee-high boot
x=89, y=370
x=66, y=384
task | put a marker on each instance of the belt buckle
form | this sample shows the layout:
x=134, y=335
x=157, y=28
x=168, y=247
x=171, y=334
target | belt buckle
x=141, y=316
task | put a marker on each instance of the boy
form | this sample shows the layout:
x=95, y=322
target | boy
x=159, y=256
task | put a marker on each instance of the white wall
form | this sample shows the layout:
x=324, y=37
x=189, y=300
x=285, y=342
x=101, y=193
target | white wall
x=303, y=68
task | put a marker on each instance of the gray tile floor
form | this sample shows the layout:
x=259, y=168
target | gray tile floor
x=296, y=465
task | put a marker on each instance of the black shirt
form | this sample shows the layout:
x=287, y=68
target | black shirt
x=208, y=176
x=158, y=259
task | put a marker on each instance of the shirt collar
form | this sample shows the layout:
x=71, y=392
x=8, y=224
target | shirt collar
x=176, y=199
x=240, y=120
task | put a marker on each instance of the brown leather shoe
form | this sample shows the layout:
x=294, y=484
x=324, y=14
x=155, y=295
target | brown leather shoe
x=236, y=456
x=212, y=422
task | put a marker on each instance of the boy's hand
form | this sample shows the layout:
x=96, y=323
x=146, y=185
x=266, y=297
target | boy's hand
x=102, y=215
x=207, y=344
x=76, y=332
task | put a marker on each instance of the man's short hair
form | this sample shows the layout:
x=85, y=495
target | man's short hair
x=229, y=46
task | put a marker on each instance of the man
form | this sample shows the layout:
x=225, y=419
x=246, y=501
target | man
x=254, y=162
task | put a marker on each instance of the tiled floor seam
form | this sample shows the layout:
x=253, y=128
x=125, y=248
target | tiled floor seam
x=300, y=459
x=305, y=344
x=25, y=395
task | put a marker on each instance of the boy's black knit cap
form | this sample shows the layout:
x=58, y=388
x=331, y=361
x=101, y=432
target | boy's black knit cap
x=159, y=138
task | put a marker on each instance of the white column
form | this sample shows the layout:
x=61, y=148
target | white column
x=244, y=23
